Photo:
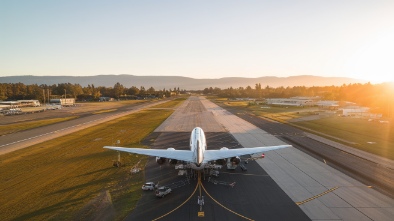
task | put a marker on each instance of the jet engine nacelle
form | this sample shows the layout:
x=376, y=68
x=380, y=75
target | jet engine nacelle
x=235, y=160
x=222, y=161
x=172, y=161
x=160, y=160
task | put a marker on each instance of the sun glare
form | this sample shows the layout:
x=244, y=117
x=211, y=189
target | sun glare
x=374, y=60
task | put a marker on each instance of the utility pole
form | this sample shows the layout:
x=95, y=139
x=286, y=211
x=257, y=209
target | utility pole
x=43, y=93
x=48, y=96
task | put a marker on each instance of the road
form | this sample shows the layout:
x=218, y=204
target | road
x=22, y=139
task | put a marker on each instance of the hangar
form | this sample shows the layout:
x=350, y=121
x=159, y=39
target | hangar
x=63, y=102
x=293, y=101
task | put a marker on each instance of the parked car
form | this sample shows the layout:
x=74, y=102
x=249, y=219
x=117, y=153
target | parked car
x=163, y=191
x=149, y=186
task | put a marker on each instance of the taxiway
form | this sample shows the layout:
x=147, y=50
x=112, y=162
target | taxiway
x=313, y=190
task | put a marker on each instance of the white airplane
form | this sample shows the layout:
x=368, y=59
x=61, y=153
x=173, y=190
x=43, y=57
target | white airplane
x=198, y=156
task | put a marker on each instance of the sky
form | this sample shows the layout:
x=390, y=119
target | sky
x=198, y=39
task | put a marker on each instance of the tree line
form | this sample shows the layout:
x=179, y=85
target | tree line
x=20, y=91
x=379, y=97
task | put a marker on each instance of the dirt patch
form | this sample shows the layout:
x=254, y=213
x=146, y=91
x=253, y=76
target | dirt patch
x=99, y=208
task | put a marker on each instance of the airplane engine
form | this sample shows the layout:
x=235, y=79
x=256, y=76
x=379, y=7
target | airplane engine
x=173, y=161
x=235, y=160
x=222, y=161
x=160, y=160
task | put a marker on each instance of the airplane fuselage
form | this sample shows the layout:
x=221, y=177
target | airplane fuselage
x=198, y=145
x=198, y=157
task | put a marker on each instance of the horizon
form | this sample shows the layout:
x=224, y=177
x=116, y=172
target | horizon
x=186, y=82
x=189, y=39
x=183, y=76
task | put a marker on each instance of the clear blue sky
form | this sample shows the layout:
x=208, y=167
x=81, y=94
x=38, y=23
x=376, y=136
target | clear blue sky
x=199, y=39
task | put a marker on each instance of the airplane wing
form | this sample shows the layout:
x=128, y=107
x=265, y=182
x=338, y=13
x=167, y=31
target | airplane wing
x=184, y=155
x=210, y=155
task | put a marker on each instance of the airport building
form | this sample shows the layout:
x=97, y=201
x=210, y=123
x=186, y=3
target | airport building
x=293, y=101
x=20, y=103
x=360, y=112
x=29, y=103
x=63, y=102
x=10, y=104
x=330, y=105
x=106, y=99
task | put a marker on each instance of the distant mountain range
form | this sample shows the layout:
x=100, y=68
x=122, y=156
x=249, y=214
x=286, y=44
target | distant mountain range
x=169, y=82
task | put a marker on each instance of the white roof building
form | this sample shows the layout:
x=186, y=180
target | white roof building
x=290, y=101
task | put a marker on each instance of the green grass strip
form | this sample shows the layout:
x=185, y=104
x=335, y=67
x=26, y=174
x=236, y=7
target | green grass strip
x=16, y=127
x=370, y=136
x=171, y=104
x=72, y=177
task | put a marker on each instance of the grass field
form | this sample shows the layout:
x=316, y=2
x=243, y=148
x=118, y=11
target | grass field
x=104, y=111
x=370, y=136
x=96, y=106
x=72, y=177
x=13, y=128
x=171, y=104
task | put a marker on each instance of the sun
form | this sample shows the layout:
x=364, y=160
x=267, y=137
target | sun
x=374, y=60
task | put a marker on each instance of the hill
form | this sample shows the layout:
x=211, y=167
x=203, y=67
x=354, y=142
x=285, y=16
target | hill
x=160, y=82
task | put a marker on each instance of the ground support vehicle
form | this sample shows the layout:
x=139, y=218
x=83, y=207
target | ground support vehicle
x=163, y=191
x=149, y=186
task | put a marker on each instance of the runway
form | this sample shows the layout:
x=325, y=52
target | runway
x=313, y=190
x=255, y=196
x=22, y=139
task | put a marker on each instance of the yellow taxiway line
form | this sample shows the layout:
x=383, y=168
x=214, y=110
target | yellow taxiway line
x=199, y=186
x=317, y=196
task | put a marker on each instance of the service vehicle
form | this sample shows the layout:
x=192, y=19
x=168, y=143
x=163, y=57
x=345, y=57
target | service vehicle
x=163, y=191
x=149, y=186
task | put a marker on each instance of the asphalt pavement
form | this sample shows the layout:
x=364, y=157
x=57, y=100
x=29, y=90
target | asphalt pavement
x=254, y=196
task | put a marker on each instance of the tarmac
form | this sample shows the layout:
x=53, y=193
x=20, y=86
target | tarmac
x=253, y=196
x=320, y=191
